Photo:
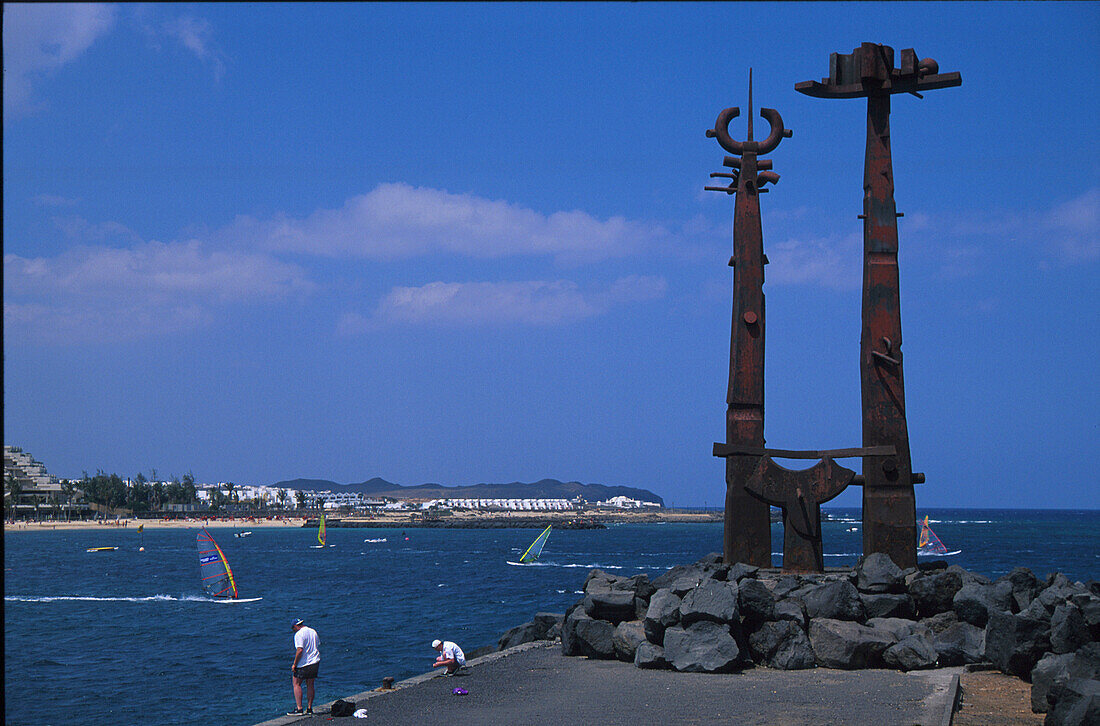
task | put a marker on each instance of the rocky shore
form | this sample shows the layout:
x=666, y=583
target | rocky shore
x=717, y=618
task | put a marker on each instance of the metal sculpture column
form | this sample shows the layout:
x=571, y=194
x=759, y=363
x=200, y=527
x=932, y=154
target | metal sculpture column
x=747, y=533
x=889, y=502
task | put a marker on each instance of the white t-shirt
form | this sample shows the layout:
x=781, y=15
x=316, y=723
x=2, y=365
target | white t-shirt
x=306, y=639
x=453, y=652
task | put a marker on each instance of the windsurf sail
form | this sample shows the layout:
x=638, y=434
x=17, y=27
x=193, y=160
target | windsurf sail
x=214, y=569
x=929, y=543
x=321, y=530
x=535, y=549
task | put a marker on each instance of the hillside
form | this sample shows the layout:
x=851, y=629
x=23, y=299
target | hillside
x=544, y=489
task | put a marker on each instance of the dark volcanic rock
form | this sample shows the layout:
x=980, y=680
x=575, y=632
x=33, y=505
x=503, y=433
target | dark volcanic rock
x=791, y=610
x=933, y=593
x=959, y=644
x=663, y=611
x=1076, y=702
x=518, y=635
x=581, y=635
x=755, y=601
x=899, y=628
x=626, y=639
x=739, y=571
x=1053, y=669
x=940, y=622
x=848, y=645
x=649, y=655
x=785, y=585
x=888, y=605
x=705, y=647
x=837, y=600
x=712, y=600
x=782, y=645
x=607, y=604
x=1068, y=630
x=686, y=573
x=912, y=652
x=1014, y=643
x=877, y=573
x=1025, y=586
x=973, y=601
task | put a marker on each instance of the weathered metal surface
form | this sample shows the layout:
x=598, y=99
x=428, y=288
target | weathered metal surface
x=747, y=533
x=889, y=502
x=800, y=494
x=731, y=449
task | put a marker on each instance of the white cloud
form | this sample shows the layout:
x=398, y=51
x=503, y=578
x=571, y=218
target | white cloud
x=532, y=302
x=832, y=261
x=54, y=200
x=40, y=38
x=197, y=36
x=396, y=221
x=1077, y=226
x=103, y=293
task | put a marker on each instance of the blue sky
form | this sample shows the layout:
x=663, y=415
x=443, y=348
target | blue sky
x=467, y=243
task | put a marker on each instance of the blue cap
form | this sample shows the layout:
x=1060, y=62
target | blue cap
x=298, y=622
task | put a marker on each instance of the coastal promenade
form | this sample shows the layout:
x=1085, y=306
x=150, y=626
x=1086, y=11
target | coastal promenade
x=535, y=684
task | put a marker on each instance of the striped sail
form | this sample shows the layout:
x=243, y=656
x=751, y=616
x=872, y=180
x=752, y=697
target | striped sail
x=929, y=543
x=535, y=549
x=217, y=577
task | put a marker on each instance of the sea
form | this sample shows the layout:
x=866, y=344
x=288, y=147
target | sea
x=125, y=636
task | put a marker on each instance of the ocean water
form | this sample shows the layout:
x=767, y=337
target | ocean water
x=125, y=637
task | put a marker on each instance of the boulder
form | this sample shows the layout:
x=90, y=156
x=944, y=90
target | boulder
x=606, y=603
x=973, y=601
x=739, y=571
x=663, y=611
x=1076, y=702
x=518, y=635
x=1068, y=630
x=781, y=644
x=712, y=600
x=899, y=628
x=1015, y=643
x=941, y=621
x=650, y=655
x=705, y=647
x=627, y=637
x=1059, y=592
x=912, y=652
x=1089, y=605
x=836, y=600
x=847, y=645
x=877, y=573
x=582, y=635
x=959, y=644
x=785, y=585
x=933, y=592
x=755, y=602
x=968, y=577
x=1025, y=586
x=1059, y=668
x=679, y=572
x=888, y=605
x=791, y=610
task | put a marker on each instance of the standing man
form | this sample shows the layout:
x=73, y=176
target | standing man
x=307, y=658
x=450, y=655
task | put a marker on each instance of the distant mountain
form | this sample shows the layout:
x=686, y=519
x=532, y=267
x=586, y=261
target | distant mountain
x=544, y=489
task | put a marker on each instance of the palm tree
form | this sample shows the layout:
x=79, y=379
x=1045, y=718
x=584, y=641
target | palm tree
x=282, y=497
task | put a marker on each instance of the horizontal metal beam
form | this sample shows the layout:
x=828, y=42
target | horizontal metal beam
x=724, y=450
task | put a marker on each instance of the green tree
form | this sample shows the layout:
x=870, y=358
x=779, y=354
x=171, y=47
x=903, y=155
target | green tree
x=301, y=497
x=14, y=488
x=68, y=488
x=189, y=494
x=158, y=495
x=282, y=497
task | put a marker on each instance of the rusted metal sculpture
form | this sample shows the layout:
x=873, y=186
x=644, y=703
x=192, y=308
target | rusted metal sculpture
x=889, y=502
x=747, y=533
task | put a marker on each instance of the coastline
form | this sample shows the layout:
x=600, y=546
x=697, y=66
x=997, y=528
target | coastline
x=402, y=521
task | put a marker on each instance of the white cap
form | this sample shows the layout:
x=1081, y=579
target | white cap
x=437, y=643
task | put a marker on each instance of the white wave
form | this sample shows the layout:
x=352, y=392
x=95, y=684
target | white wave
x=557, y=564
x=383, y=539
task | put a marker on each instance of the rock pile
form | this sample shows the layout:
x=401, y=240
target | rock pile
x=713, y=617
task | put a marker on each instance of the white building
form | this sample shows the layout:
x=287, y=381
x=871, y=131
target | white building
x=627, y=503
x=30, y=474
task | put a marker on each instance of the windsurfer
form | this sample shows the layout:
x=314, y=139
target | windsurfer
x=307, y=659
x=450, y=656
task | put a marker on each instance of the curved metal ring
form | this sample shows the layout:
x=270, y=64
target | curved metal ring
x=722, y=131
x=778, y=133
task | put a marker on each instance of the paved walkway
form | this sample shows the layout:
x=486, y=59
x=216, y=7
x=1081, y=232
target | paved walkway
x=535, y=684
